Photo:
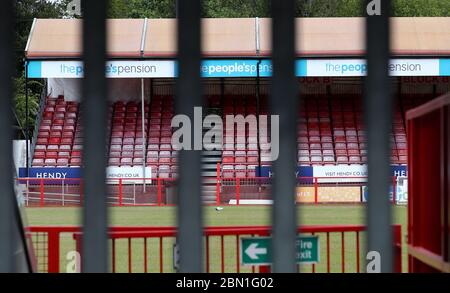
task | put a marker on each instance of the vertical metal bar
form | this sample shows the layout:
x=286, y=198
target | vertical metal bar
x=328, y=252
x=143, y=130
x=129, y=255
x=145, y=255
x=27, y=113
x=189, y=96
x=207, y=253
x=258, y=108
x=313, y=265
x=120, y=192
x=161, y=264
x=238, y=265
x=342, y=252
x=446, y=182
x=218, y=184
x=222, y=255
x=284, y=103
x=95, y=248
x=41, y=190
x=6, y=181
x=358, y=255
x=378, y=114
x=53, y=249
x=238, y=190
x=113, y=255
x=159, y=192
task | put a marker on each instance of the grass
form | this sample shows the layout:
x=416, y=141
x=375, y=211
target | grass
x=230, y=216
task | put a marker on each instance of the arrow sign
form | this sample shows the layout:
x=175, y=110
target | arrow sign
x=258, y=250
x=253, y=251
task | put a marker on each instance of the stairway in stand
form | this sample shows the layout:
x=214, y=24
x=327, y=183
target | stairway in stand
x=210, y=158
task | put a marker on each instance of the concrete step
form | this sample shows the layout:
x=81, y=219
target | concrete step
x=209, y=188
x=211, y=159
x=209, y=167
x=212, y=146
x=212, y=153
x=209, y=198
x=209, y=174
x=209, y=180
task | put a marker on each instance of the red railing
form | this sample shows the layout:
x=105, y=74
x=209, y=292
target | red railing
x=150, y=249
x=157, y=192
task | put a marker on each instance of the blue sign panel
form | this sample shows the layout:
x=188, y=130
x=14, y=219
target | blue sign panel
x=235, y=68
x=51, y=175
x=223, y=68
x=399, y=171
x=302, y=171
x=444, y=67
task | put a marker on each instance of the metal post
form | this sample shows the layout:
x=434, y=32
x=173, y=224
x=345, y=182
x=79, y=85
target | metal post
x=7, y=245
x=143, y=129
x=189, y=96
x=258, y=105
x=94, y=242
x=378, y=114
x=218, y=184
x=27, y=113
x=284, y=103
x=62, y=192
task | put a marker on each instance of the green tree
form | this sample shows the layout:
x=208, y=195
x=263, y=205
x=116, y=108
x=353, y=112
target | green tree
x=117, y=8
x=151, y=9
x=235, y=8
x=20, y=101
x=26, y=11
x=415, y=8
x=261, y=8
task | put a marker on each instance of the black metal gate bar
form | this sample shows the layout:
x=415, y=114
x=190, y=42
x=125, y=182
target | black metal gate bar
x=7, y=245
x=95, y=249
x=284, y=103
x=188, y=96
x=378, y=111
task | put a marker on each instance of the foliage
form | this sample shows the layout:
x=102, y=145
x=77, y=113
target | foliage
x=19, y=102
x=261, y=8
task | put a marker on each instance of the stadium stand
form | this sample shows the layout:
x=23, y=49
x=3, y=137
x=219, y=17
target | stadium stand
x=240, y=160
x=127, y=144
x=59, y=140
x=330, y=132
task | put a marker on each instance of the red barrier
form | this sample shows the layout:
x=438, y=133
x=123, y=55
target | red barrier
x=316, y=191
x=42, y=193
x=130, y=192
x=221, y=247
x=120, y=192
x=238, y=190
x=218, y=184
x=159, y=193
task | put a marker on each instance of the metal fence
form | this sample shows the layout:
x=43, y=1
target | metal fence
x=283, y=101
x=153, y=249
x=44, y=192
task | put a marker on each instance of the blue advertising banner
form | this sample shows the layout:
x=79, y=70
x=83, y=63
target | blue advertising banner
x=215, y=68
x=399, y=171
x=51, y=175
x=333, y=172
x=302, y=171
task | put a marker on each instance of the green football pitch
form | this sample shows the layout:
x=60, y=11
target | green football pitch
x=229, y=216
